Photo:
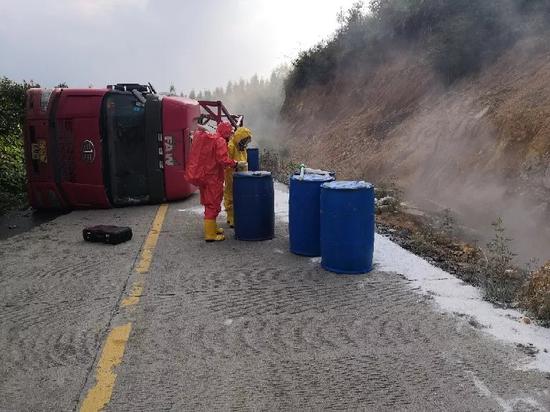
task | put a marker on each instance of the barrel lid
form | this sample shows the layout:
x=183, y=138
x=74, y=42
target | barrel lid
x=259, y=173
x=347, y=185
x=330, y=172
x=310, y=177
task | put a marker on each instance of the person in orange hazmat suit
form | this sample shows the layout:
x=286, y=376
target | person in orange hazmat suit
x=205, y=169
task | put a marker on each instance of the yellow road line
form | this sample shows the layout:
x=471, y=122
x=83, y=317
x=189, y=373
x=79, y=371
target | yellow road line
x=98, y=397
x=111, y=356
x=135, y=294
x=151, y=241
x=146, y=257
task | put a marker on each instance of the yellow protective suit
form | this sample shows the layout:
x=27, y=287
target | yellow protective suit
x=236, y=149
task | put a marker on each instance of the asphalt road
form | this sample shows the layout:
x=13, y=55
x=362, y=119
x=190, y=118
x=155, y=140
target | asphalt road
x=168, y=322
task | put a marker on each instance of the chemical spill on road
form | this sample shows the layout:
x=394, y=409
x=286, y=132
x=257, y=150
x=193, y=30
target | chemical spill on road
x=451, y=294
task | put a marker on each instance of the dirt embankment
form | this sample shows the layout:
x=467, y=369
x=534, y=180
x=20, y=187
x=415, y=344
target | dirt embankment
x=480, y=147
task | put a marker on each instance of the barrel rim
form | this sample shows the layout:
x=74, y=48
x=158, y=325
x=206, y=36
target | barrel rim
x=347, y=185
x=256, y=173
x=346, y=272
x=312, y=178
x=301, y=252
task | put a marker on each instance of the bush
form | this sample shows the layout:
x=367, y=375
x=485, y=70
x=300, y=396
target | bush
x=12, y=162
x=280, y=166
x=12, y=106
x=536, y=296
x=12, y=172
x=315, y=66
x=503, y=281
x=389, y=196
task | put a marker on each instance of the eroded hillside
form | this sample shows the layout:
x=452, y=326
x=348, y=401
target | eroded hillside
x=480, y=147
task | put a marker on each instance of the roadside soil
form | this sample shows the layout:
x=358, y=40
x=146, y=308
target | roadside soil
x=453, y=249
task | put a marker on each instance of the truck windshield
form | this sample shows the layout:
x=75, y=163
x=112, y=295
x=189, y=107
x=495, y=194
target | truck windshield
x=126, y=155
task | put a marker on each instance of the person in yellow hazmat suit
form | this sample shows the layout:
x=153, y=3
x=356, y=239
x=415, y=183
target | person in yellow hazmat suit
x=236, y=149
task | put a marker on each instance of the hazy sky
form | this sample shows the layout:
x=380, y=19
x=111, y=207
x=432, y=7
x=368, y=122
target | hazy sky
x=192, y=44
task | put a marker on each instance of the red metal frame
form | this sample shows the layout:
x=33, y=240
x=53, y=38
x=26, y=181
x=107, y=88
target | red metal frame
x=218, y=115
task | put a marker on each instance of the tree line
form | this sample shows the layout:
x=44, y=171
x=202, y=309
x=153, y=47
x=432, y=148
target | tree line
x=457, y=36
x=258, y=99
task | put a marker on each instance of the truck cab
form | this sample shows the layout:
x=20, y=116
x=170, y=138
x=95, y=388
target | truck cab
x=100, y=148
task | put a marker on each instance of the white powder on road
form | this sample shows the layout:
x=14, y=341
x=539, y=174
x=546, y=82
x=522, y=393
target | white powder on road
x=281, y=202
x=449, y=293
x=455, y=296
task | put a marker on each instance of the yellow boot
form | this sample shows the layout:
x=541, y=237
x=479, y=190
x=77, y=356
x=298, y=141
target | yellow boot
x=210, y=231
x=219, y=230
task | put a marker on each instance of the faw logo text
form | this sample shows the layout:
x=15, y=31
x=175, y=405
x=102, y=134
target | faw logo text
x=169, y=144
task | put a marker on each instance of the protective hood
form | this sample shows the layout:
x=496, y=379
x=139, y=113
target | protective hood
x=224, y=130
x=241, y=133
x=200, y=133
x=207, y=159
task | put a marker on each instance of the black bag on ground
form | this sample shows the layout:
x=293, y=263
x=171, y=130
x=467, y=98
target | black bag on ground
x=112, y=235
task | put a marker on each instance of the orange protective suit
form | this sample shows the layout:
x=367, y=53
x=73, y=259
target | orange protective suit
x=205, y=169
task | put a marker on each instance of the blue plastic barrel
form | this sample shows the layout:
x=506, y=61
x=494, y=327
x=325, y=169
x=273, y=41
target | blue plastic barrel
x=253, y=156
x=303, y=213
x=253, y=205
x=347, y=227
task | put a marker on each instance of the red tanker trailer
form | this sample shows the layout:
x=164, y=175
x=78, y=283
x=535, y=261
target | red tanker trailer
x=117, y=146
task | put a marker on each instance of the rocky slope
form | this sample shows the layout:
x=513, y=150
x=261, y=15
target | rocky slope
x=480, y=147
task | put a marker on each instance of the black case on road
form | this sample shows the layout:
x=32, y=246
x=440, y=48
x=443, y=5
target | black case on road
x=112, y=235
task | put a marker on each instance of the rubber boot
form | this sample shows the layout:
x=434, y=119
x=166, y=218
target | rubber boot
x=210, y=231
x=219, y=230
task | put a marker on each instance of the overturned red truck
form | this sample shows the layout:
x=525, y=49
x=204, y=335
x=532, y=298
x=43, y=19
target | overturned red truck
x=118, y=146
